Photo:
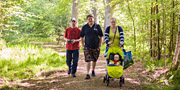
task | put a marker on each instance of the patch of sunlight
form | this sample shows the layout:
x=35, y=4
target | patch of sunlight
x=133, y=81
x=62, y=53
x=26, y=84
x=18, y=53
x=52, y=81
x=6, y=53
x=71, y=82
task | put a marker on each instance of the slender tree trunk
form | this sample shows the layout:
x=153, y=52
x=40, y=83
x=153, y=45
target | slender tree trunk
x=108, y=13
x=164, y=34
x=133, y=26
x=75, y=9
x=0, y=20
x=173, y=25
x=151, y=30
x=154, y=34
x=158, y=32
x=172, y=31
x=94, y=10
x=175, y=63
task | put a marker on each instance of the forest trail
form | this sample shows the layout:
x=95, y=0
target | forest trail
x=135, y=77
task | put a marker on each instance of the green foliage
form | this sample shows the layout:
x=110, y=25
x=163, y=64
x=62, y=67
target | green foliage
x=25, y=60
x=175, y=87
x=150, y=87
x=39, y=17
x=174, y=77
x=156, y=87
x=6, y=87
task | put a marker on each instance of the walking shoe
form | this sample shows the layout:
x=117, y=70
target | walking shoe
x=93, y=73
x=73, y=75
x=87, y=76
x=69, y=71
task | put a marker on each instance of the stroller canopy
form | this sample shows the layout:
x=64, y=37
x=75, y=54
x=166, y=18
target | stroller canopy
x=115, y=50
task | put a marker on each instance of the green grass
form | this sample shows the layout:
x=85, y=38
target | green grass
x=23, y=60
x=21, y=37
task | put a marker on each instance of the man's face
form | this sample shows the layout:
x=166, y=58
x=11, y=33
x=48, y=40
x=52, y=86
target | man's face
x=90, y=20
x=73, y=23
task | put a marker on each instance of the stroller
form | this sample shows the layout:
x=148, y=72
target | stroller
x=114, y=70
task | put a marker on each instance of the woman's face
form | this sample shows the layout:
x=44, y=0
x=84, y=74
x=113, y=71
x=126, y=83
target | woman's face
x=113, y=22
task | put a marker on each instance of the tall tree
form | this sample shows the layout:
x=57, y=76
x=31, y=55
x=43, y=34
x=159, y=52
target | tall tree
x=158, y=32
x=164, y=33
x=75, y=9
x=172, y=31
x=1, y=19
x=108, y=13
x=154, y=39
x=151, y=27
x=129, y=9
x=94, y=10
x=175, y=63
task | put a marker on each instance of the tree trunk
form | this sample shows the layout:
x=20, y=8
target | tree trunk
x=164, y=34
x=75, y=9
x=154, y=35
x=151, y=53
x=94, y=10
x=175, y=63
x=173, y=25
x=172, y=31
x=133, y=26
x=0, y=19
x=158, y=33
x=108, y=13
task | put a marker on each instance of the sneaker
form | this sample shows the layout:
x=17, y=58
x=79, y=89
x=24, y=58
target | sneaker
x=87, y=76
x=93, y=73
x=73, y=75
x=69, y=71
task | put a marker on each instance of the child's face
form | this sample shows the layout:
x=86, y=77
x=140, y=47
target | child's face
x=116, y=57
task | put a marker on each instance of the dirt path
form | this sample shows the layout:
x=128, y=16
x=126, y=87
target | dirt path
x=63, y=81
x=134, y=79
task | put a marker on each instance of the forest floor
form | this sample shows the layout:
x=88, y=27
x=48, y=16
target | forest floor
x=135, y=78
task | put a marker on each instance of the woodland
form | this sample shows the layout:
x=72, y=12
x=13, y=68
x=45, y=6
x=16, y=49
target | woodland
x=151, y=30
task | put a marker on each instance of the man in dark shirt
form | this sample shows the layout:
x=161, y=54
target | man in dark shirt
x=92, y=44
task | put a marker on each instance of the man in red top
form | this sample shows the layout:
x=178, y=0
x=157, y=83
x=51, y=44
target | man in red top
x=72, y=38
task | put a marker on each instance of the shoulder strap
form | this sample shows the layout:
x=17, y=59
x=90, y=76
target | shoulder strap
x=114, y=34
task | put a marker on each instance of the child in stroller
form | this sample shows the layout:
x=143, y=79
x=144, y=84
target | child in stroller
x=114, y=66
x=116, y=60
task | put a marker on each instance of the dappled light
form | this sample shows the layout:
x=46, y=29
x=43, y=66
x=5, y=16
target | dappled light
x=33, y=44
x=133, y=81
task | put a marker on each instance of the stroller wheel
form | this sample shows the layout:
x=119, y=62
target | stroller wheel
x=104, y=80
x=123, y=80
x=107, y=83
x=120, y=84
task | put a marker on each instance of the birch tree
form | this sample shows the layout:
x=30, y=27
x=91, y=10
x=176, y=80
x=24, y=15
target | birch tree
x=75, y=9
x=175, y=63
x=108, y=13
